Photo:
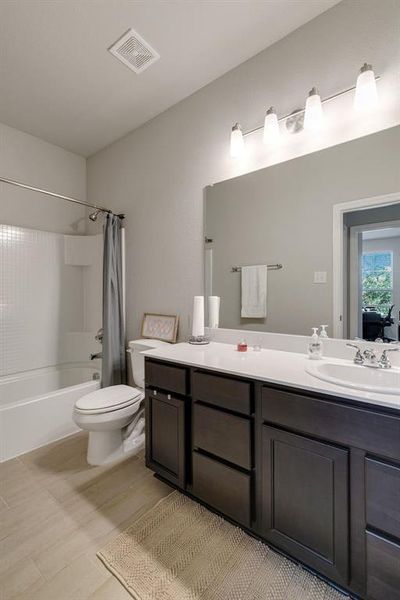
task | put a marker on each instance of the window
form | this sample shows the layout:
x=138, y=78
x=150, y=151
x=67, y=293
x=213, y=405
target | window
x=377, y=280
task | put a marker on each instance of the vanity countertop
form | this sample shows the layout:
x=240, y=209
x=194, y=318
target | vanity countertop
x=271, y=366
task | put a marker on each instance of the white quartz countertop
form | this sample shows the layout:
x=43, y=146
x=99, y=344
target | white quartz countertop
x=271, y=366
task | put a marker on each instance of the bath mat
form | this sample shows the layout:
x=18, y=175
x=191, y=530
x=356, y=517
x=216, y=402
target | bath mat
x=181, y=551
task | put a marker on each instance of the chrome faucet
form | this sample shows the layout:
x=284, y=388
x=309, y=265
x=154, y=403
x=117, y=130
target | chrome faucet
x=358, y=359
x=384, y=362
x=368, y=358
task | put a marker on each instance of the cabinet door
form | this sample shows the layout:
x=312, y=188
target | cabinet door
x=305, y=500
x=165, y=436
x=383, y=568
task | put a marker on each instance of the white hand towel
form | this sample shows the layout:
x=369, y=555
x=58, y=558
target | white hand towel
x=254, y=292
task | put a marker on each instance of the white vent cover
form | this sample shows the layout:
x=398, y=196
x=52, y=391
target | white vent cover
x=134, y=52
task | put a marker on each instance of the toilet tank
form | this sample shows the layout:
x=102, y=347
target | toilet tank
x=137, y=359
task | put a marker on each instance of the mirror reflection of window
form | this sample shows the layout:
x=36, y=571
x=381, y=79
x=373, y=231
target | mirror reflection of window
x=380, y=283
x=377, y=281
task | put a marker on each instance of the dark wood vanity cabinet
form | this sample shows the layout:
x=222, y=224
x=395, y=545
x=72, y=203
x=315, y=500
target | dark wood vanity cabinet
x=305, y=500
x=317, y=477
x=166, y=412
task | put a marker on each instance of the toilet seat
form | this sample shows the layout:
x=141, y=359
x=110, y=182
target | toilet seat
x=109, y=399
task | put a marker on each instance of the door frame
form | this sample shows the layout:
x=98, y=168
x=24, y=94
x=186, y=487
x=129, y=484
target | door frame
x=355, y=304
x=339, y=210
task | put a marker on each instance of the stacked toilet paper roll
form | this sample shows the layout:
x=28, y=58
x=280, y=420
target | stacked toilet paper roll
x=213, y=311
x=198, y=316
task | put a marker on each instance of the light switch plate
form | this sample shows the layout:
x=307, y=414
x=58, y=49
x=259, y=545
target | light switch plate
x=320, y=276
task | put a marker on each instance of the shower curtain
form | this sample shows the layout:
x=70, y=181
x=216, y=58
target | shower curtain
x=113, y=364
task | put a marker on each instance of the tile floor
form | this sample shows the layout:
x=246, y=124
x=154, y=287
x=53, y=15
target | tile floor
x=56, y=512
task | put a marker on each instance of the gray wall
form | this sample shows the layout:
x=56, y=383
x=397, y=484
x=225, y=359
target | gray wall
x=31, y=160
x=157, y=174
x=283, y=214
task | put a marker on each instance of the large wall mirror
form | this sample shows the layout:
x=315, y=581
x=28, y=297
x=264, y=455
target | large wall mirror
x=322, y=233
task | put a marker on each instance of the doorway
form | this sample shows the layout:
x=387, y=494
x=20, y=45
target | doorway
x=373, y=302
x=366, y=268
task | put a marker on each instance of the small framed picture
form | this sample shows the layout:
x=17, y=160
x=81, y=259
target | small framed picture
x=160, y=327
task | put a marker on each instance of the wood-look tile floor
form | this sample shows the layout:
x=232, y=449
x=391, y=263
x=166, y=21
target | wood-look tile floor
x=56, y=512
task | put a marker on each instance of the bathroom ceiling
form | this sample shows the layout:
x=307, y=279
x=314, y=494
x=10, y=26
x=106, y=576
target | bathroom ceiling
x=58, y=81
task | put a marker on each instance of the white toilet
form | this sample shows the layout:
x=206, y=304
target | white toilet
x=105, y=413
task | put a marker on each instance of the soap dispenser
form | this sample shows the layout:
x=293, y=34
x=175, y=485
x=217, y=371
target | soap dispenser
x=323, y=333
x=315, y=346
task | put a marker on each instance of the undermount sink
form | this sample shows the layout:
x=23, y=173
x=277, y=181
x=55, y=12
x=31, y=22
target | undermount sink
x=384, y=381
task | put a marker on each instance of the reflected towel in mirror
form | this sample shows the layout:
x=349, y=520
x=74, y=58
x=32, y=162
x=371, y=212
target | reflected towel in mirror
x=254, y=292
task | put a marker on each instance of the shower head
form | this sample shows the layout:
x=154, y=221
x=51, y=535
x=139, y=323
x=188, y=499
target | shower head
x=93, y=216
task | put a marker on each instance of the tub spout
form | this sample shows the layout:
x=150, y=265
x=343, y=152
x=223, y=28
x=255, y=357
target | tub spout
x=97, y=355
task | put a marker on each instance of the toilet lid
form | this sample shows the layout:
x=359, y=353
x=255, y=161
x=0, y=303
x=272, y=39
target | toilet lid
x=110, y=397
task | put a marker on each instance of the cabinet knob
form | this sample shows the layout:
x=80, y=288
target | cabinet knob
x=169, y=396
x=154, y=392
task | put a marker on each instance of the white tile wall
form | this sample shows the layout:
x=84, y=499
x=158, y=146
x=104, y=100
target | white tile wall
x=41, y=299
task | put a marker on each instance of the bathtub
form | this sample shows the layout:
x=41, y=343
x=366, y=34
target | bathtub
x=36, y=406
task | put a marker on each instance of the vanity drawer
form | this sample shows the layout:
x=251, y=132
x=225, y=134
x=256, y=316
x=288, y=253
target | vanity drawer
x=222, y=434
x=383, y=568
x=225, y=392
x=374, y=432
x=166, y=377
x=382, y=482
x=224, y=488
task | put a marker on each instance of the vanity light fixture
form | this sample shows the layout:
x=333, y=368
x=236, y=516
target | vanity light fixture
x=366, y=95
x=237, y=141
x=314, y=114
x=271, y=127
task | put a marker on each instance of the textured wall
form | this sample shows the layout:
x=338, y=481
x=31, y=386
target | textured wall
x=33, y=161
x=157, y=174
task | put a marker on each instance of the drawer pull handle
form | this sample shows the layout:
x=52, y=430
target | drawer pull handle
x=154, y=392
x=169, y=396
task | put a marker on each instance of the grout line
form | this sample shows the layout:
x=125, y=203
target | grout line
x=32, y=560
x=5, y=503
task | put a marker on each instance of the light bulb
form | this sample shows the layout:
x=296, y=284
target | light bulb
x=237, y=141
x=271, y=127
x=366, y=96
x=314, y=115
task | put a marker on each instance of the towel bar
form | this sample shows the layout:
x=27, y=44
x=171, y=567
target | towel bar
x=269, y=267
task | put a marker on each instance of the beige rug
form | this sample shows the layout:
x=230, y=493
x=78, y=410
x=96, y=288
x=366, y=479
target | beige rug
x=181, y=551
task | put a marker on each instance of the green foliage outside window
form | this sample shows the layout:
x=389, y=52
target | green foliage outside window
x=377, y=280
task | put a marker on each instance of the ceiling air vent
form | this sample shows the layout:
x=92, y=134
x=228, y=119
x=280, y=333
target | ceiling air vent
x=134, y=52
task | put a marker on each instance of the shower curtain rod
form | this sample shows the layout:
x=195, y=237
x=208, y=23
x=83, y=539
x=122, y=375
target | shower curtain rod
x=68, y=198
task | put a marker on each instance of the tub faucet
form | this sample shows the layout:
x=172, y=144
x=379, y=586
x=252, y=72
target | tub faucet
x=97, y=355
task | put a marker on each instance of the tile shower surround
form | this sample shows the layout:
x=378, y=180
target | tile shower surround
x=41, y=300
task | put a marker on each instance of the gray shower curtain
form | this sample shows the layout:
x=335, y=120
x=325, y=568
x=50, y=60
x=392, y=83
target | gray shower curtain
x=114, y=364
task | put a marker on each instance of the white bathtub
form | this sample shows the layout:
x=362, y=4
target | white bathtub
x=36, y=406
